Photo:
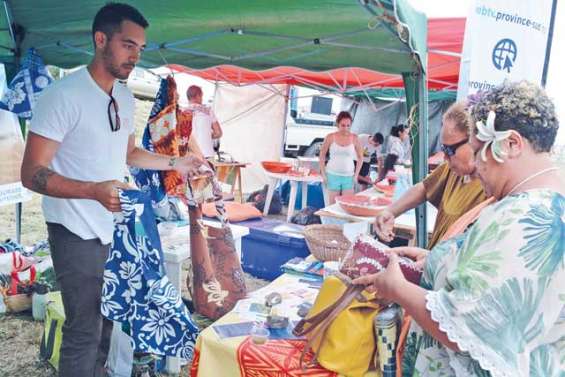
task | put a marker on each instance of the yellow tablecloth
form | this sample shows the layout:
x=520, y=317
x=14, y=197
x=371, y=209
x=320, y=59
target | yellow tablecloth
x=216, y=357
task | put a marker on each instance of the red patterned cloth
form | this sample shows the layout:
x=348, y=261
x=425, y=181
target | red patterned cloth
x=195, y=362
x=277, y=358
x=170, y=131
x=184, y=129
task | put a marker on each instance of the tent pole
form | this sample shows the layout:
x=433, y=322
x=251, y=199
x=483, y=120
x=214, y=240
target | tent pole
x=421, y=213
x=286, y=100
x=549, y=41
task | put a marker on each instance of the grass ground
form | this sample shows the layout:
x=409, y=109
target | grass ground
x=20, y=335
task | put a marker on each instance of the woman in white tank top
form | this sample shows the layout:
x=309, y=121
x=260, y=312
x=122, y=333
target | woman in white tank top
x=340, y=173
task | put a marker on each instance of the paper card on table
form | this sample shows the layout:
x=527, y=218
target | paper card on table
x=285, y=333
x=232, y=330
x=258, y=308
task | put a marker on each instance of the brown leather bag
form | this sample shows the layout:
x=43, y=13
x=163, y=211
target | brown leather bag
x=217, y=282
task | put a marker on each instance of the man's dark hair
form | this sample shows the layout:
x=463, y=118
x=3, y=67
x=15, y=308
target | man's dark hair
x=378, y=138
x=110, y=17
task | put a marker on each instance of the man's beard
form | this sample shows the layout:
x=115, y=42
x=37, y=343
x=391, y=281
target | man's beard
x=111, y=67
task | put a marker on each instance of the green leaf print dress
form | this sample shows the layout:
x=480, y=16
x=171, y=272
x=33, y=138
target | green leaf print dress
x=498, y=291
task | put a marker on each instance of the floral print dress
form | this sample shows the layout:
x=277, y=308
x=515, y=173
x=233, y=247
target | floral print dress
x=498, y=291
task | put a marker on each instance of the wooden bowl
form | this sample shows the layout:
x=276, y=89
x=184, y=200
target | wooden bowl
x=388, y=190
x=360, y=205
x=276, y=167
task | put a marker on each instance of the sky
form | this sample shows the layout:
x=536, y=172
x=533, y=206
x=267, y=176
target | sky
x=555, y=81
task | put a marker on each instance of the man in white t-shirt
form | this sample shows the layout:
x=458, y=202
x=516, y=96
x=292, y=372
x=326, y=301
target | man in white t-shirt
x=205, y=127
x=80, y=139
x=371, y=145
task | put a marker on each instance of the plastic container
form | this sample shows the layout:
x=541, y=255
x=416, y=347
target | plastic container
x=403, y=184
x=165, y=228
x=269, y=245
x=259, y=333
x=38, y=306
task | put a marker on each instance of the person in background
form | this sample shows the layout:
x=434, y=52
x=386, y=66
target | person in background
x=490, y=301
x=205, y=126
x=340, y=172
x=451, y=187
x=397, y=150
x=81, y=137
x=371, y=145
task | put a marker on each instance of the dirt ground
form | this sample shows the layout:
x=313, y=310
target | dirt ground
x=20, y=335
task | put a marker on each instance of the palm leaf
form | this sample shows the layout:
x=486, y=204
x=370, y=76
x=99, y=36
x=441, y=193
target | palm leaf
x=474, y=268
x=502, y=317
x=544, y=251
x=541, y=364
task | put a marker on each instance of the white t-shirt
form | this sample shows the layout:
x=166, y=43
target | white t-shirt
x=202, y=120
x=399, y=148
x=74, y=112
x=368, y=148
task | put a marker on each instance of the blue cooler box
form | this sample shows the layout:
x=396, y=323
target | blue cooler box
x=269, y=245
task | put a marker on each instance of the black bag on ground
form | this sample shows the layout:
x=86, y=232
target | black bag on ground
x=258, y=198
x=306, y=216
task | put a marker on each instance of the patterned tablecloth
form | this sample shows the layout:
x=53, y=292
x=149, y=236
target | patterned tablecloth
x=239, y=356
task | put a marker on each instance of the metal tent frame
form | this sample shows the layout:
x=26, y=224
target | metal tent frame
x=385, y=36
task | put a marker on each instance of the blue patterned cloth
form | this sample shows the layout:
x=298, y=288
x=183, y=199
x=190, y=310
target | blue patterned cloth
x=150, y=180
x=136, y=289
x=25, y=88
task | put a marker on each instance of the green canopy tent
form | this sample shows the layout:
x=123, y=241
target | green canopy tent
x=386, y=36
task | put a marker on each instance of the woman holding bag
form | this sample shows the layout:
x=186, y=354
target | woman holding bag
x=489, y=301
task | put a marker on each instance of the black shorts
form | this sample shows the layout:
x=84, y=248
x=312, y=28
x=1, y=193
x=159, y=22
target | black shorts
x=364, y=172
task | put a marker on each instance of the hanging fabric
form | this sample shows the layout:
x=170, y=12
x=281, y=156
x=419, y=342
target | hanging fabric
x=26, y=86
x=136, y=289
x=146, y=179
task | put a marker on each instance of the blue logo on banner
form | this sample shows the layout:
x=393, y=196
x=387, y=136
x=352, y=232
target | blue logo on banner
x=504, y=54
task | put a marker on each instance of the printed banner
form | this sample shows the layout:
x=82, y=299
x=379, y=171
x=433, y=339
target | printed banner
x=504, y=39
x=12, y=147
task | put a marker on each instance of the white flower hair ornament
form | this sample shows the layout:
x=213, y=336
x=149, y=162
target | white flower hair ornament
x=490, y=137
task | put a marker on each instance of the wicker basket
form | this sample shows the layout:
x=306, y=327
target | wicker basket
x=326, y=242
x=17, y=303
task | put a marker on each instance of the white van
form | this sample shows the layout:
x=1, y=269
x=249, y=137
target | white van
x=143, y=83
x=310, y=117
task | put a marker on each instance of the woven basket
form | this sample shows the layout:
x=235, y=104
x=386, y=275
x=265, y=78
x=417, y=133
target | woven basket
x=326, y=242
x=17, y=303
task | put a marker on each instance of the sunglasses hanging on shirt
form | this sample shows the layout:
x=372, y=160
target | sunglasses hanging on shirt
x=113, y=114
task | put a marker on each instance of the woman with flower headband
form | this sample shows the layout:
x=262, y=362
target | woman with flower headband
x=491, y=301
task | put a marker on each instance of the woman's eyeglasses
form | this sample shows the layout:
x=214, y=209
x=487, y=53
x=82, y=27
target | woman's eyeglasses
x=450, y=150
x=115, y=118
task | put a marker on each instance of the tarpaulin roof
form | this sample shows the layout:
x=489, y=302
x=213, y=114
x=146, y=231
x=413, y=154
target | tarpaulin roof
x=445, y=42
x=318, y=35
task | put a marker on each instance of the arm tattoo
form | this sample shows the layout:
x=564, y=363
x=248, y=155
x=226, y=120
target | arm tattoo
x=40, y=179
